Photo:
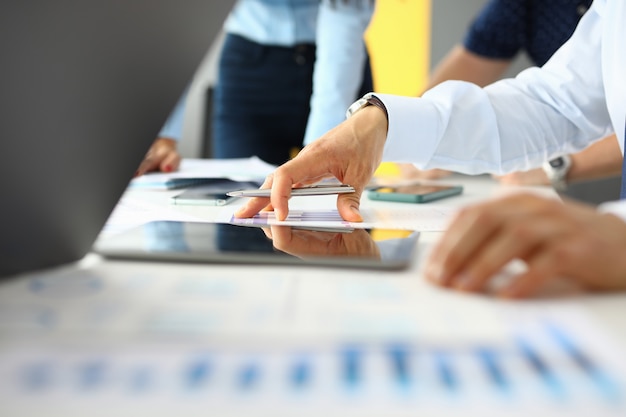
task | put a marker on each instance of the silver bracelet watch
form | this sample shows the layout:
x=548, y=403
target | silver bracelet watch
x=368, y=99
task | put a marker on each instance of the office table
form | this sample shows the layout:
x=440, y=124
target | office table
x=103, y=337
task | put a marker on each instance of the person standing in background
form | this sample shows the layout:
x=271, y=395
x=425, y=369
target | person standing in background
x=287, y=71
x=272, y=75
x=501, y=30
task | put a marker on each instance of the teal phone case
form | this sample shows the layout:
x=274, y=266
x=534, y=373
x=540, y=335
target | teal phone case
x=415, y=198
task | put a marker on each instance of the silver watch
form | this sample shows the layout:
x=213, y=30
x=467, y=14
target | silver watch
x=557, y=170
x=368, y=99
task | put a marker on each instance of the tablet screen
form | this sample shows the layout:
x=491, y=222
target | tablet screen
x=228, y=243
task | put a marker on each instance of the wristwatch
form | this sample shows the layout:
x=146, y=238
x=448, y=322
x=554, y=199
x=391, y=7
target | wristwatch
x=368, y=99
x=557, y=170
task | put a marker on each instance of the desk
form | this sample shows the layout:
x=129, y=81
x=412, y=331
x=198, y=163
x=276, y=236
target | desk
x=104, y=337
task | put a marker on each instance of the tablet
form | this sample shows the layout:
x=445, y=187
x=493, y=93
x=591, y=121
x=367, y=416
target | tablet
x=229, y=243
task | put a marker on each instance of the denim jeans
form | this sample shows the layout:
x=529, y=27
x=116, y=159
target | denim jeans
x=261, y=101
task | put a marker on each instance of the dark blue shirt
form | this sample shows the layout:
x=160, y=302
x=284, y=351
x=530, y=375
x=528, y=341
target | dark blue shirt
x=505, y=27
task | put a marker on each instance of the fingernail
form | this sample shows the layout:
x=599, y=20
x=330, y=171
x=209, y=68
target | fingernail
x=357, y=213
x=168, y=168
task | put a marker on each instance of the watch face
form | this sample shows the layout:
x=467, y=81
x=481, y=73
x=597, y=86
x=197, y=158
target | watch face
x=557, y=163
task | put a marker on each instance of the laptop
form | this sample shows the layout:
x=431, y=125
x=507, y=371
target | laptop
x=85, y=87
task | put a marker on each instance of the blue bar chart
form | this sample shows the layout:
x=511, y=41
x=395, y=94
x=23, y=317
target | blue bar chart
x=549, y=370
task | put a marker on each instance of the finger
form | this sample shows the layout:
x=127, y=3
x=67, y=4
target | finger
x=281, y=236
x=256, y=204
x=147, y=165
x=514, y=240
x=543, y=266
x=268, y=232
x=348, y=206
x=252, y=207
x=170, y=162
x=465, y=235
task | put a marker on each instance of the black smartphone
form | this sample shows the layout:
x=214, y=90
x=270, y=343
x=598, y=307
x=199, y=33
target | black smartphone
x=211, y=194
x=414, y=193
x=197, y=197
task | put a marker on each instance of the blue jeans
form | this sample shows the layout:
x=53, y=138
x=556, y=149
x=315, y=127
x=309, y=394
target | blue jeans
x=261, y=101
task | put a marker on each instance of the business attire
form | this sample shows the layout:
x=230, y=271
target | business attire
x=503, y=28
x=266, y=85
x=266, y=74
x=577, y=97
x=342, y=70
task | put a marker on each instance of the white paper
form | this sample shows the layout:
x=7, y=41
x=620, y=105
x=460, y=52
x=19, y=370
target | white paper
x=237, y=169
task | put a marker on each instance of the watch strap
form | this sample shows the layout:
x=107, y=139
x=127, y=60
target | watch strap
x=368, y=99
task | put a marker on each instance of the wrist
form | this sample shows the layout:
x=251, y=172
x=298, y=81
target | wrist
x=370, y=100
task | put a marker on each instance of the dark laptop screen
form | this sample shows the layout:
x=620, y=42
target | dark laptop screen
x=85, y=86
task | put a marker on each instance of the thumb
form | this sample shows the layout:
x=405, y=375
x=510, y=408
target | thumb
x=348, y=207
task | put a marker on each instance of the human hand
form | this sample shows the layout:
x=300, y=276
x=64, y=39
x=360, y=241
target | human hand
x=350, y=152
x=535, y=176
x=306, y=243
x=555, y=240
x=162, y=156
x=410, y=171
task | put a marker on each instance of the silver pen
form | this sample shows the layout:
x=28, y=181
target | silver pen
x=312, y=190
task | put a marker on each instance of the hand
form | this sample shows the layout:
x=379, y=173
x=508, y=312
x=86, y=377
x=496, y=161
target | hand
x=555, y=240
x=535, y=176
x=350, y=152
x=306, y=243
x=411, y=172
x=162, y=156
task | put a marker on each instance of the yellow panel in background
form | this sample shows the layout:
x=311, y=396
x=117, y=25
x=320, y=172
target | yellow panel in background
x=398, y=40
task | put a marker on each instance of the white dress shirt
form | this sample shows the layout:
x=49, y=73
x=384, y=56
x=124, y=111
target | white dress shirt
x=577, y=97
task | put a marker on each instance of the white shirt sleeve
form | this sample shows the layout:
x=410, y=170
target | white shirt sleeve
x=617, y=208
x=514, y=124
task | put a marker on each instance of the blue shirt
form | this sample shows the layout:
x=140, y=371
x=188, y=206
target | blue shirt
x=274, y=22
x=540, y=27
x=336, y=27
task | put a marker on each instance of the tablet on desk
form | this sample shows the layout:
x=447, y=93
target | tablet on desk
x=229, y=243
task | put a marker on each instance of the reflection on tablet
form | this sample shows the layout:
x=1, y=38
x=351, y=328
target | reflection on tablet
x=228, y=243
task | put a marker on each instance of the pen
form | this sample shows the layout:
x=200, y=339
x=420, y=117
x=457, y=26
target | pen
x=313, y=190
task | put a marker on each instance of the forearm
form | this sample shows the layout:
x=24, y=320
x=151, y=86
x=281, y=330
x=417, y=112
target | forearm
x=600, y=160
x=461, y=64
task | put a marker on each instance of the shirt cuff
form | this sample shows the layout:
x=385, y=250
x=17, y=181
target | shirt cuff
x=412, y=134
x=617, y=208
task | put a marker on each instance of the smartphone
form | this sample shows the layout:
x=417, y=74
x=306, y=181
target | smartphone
x=312, y=190
x=201, y=198
x=212, y=193
x=414, y=193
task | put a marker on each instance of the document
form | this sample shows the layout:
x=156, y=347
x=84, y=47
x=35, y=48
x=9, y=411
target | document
x=132, y=212
x=160, y=340
x=197, y=171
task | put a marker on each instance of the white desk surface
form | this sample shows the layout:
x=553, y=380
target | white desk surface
x=99, y=305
